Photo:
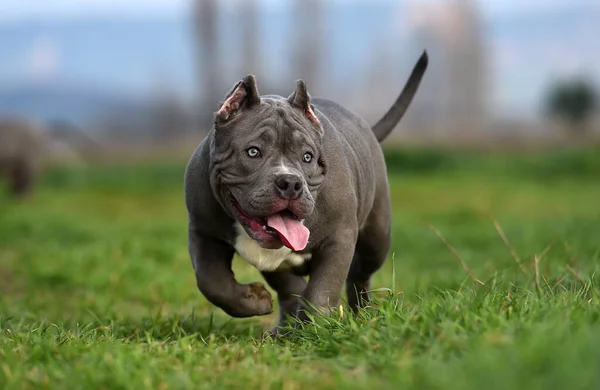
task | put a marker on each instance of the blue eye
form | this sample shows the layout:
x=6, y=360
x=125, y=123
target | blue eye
x=307, y=157
x=253, y=152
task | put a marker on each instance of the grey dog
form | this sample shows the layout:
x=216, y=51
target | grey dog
x=297, y=187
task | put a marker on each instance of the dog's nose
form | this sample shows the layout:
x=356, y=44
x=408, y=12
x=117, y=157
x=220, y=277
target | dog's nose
x=289, y=186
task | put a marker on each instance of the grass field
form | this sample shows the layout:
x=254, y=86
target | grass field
x=97, y=289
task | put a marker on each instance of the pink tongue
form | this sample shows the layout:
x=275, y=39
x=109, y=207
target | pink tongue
x=293, y=233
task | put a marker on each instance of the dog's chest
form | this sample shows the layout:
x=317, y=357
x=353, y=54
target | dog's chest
x=266, y=259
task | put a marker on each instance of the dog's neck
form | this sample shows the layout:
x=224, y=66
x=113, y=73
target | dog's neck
x=266, y=259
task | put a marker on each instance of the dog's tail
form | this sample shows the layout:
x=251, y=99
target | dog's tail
x=391, y=118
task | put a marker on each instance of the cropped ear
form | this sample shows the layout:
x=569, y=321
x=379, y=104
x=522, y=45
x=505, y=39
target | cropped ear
x=300, y=99
x=243, y=95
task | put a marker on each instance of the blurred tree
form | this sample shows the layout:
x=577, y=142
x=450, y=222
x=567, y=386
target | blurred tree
x=168, y=117
x=250, y=23
x=206, y=37
x=453, y=97
x=573, y=101
x=308, y=40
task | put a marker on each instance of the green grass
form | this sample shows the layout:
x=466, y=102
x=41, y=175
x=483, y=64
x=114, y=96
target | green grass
x=97, y=289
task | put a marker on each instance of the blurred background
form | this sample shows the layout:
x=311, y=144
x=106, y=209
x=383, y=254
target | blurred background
x=145, y=76
x=109, y=98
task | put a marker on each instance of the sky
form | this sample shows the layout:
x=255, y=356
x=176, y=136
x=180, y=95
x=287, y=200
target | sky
x=20, y=9
x=512, y=61
x=11, y=10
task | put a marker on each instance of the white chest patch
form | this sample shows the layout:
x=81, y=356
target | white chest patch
x=266, y=259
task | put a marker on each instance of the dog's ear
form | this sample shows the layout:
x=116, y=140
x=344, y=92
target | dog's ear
x=300, y=99
x=243, y=95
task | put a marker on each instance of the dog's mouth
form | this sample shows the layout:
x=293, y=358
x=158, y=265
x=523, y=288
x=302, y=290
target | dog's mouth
x=283, y=226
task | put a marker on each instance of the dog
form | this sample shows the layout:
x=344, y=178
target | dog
x=297, y=187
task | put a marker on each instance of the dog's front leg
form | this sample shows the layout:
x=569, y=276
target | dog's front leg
x=331, y=263
x=215, y=279
x=289, y=288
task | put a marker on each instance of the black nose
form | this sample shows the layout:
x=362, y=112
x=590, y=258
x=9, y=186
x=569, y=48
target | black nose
x=289, y=186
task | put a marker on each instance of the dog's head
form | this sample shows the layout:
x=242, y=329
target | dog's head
x=267, y=163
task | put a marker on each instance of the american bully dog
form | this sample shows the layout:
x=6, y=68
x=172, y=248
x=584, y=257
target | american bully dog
x=297, y=187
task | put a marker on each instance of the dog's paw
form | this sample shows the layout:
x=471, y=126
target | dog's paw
x=258, y=299
x=277, y=332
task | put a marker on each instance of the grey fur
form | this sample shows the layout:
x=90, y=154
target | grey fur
x=345, y=200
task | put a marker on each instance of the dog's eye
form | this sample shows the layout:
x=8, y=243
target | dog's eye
x=253, y=152
x=307, y=157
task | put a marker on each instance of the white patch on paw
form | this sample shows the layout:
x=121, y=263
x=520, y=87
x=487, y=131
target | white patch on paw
x=266, y=259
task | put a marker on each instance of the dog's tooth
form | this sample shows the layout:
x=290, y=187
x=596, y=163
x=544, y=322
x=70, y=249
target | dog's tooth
x=264, y=227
